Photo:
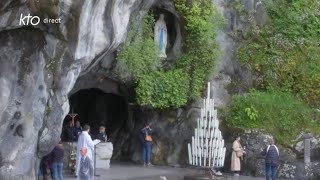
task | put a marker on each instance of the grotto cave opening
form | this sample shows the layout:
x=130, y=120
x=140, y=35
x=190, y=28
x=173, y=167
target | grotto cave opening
x=95, y=108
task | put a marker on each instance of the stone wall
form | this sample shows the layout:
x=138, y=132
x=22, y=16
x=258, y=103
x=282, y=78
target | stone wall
x=290, y=166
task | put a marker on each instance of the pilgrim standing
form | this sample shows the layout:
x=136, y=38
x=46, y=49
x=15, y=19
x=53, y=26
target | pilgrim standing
x=84, y=141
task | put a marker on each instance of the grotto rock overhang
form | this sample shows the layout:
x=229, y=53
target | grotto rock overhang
x=98, y=81
x=41, y=66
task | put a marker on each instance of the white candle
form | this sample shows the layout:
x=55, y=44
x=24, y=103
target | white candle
x=223, y=156
x=196, y=156
x=196, y=146
x=189, y=152
x=208, y=92
x=193, y=151
x=207, y=147
x=209, y=119
x=220, y=153
x=209, y=153
x=200, y=150
x=198, y=121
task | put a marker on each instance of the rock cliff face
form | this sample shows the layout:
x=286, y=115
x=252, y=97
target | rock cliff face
x=227, y=71
x=40, y=65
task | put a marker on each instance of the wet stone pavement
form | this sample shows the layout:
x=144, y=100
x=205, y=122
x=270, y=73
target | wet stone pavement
x=127, y=171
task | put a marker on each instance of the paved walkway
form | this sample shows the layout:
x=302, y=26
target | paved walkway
x=127, y=171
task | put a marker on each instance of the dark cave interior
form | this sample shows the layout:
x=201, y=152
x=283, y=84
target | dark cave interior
x=96, y=108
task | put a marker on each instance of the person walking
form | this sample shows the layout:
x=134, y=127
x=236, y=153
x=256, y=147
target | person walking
x=237, y=153
x=84, y=141
x=146, y=143
x=271, y=153
x=57, y=161
x=86, y=168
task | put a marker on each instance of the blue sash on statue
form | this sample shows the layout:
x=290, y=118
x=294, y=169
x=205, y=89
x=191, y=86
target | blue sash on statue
x=161, y=39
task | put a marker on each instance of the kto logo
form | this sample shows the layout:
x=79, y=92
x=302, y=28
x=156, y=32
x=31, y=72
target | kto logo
x=25, y=20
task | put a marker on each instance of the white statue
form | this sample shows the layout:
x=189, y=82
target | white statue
x=160, y=36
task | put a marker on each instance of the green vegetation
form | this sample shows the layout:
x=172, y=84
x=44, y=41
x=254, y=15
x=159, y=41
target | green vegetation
x=279, y=113
x=52, y=65
x=284, y=55
x=161, y=88
x=139, y=56
x=201, y=21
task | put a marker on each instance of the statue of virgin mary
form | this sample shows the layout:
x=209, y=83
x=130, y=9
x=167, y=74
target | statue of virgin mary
x=160, y=36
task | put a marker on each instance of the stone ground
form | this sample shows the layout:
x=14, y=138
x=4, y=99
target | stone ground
x=128, y=171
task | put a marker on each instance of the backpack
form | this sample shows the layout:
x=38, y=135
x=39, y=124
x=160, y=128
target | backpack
x=275, y=147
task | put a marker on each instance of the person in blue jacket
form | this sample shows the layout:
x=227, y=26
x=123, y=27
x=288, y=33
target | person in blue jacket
x=146, y=143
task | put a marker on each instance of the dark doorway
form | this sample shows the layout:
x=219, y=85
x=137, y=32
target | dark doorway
x=96, y=108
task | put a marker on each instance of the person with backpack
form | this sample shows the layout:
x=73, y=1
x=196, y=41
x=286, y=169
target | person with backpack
x=271, y=153
x=146, y=143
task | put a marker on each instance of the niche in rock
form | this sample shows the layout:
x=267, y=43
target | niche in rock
x=173, y=31
x=96, y=108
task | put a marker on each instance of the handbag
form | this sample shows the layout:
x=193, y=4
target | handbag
x=148, y=137
x=239, y=153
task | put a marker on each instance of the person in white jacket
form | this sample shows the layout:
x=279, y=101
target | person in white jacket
x=84, y=140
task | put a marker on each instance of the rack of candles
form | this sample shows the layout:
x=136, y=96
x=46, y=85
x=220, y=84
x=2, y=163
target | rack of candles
x=207, y=145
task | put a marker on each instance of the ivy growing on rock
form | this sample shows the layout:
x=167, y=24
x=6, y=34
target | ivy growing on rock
x=163, y=89
x=279, y=113
x=201, y=21
x=160, y=88
x=138, y=56
x=285, y=53
x=284, y=56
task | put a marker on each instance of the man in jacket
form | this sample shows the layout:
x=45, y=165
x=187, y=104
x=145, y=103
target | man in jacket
x=102, y=136
x=86, y=168
x=271, y=154
x=77, y=130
